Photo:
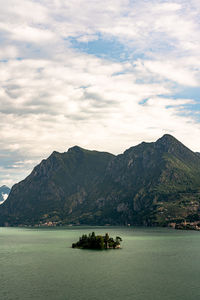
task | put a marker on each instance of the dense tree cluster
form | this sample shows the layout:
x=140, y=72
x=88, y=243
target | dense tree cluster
x=93, y=241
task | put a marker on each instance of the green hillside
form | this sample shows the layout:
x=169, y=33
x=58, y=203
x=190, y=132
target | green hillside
x=149, y=184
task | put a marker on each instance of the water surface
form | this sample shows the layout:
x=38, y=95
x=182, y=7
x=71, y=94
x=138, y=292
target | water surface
x=153, y=264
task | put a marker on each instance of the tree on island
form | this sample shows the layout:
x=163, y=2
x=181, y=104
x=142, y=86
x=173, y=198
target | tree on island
x=93, y=241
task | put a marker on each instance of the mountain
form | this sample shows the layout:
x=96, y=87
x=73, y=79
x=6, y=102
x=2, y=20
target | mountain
x=149, y=184
x=4, y=192
x=56, y=187
x=155, y=183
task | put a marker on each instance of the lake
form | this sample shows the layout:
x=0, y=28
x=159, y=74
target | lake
x=153, y=264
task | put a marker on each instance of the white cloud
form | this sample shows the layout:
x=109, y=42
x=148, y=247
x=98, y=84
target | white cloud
x=5, y=196
x=7, y=52
x=167, y=7
x=53, y=96
x=171, y=70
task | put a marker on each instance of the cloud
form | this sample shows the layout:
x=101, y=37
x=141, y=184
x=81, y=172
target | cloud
x=53, y=96
x=171, y=70
x=5, y=196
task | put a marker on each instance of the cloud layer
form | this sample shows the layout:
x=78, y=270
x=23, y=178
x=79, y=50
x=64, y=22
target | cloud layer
x=59, y=87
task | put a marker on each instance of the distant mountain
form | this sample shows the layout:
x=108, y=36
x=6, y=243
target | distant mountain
x=4, y=192
x=149, y=184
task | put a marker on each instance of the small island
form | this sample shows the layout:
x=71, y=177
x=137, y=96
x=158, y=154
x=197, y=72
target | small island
x=100, y=242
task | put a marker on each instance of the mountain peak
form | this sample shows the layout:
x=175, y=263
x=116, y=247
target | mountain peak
x=75, y=149
x=4, y=186
x=167, y=138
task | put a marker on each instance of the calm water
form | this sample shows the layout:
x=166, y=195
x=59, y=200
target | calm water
x=154, y=264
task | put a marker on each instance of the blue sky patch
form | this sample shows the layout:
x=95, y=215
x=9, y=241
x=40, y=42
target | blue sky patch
x=189, y=93
x=104, y=48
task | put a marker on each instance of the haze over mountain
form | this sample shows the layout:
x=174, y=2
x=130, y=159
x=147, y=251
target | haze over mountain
x=4, y=192
x=149, y=184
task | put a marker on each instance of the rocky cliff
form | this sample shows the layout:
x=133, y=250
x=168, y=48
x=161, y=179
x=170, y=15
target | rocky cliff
x=149, y=184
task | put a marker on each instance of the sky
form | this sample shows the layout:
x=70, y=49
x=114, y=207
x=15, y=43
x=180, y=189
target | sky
x=103, y=75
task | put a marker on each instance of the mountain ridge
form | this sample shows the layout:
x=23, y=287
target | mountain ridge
x=149, y=184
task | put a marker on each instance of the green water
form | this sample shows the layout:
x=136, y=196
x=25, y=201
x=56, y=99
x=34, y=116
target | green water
x=154, y=264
